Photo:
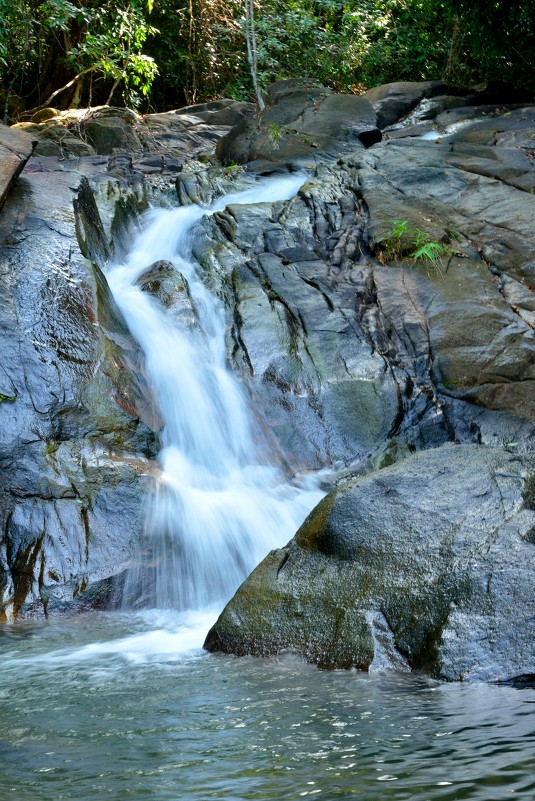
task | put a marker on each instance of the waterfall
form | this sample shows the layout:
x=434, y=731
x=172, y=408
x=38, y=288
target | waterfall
x=219, y=504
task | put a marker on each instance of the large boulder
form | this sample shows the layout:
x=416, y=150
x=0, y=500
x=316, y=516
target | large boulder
x=300, y=122
x=219, y=112
x=423, y=100
x=110, y=134
x=392, y=101
x=427, y=565
x=55, y=139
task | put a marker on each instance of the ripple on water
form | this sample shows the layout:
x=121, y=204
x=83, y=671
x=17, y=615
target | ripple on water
x=106, y=707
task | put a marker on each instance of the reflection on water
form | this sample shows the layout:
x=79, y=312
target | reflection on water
x=128, y=706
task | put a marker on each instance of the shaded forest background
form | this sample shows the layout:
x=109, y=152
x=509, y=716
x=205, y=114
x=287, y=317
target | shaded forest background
x=163, y=54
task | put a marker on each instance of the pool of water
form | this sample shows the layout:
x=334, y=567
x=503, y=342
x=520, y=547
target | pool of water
x=128, y=706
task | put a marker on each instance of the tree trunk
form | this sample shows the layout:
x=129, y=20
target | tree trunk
x=252, y=52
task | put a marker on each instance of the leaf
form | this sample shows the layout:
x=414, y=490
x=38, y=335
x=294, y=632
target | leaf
x=430, y=250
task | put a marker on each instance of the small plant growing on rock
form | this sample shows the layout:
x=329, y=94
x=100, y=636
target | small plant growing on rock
x=430, y=251
x=275, y=133
x=406, y=241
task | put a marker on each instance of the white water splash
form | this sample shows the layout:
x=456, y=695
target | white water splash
x=219, y=505
x=385, y=654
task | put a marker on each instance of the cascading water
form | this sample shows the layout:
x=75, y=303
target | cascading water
x=219, y=504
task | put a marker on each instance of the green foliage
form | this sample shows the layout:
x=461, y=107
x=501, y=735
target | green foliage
x=405, y=241
x=112, y=47
x=275, y=133
x=493, y=40
x=91, y=49
x=200, y=51
x=52, y=49
x=430, y=251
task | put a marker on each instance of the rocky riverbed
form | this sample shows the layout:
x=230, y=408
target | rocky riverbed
x=381, y=320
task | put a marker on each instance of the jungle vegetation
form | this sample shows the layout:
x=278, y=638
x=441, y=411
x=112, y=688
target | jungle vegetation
x=162, y=54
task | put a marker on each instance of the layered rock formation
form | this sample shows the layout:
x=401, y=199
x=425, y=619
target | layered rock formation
x=436, y=254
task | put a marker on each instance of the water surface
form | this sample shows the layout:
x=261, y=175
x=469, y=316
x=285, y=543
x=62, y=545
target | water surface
x=128, y=706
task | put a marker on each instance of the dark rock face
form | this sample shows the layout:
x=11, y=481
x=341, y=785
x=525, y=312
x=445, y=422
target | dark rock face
x=16, y=148
x=73, y=463
x=426, y=565
x=293, y=331
x=457, y=198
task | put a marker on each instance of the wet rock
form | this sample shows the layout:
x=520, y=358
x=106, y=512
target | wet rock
x=294, y=335
x=169, y=287
x=110, y=134
x=219, y=112
x=458, y=202
x=196, y=184
x=392, y=101
x=413, y=101
x=73, y=462
x=434, y=554
x=55, y=139
x=73, y=525
x=125, y=365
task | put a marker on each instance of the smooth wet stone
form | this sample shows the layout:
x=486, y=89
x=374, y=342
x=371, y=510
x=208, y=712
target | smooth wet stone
x=171, y=289
x=299, y=122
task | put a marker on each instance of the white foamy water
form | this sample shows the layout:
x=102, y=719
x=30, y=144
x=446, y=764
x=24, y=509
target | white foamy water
x=220, y=503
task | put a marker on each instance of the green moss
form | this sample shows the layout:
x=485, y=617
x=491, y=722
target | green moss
x=51, y=447
x=528, y=494
x=395, y=451
x=312, y=532
x=7, y=398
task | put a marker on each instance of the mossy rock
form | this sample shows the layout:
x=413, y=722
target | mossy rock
x=437, y=548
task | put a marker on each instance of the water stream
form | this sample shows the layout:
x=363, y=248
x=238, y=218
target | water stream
x=220, y=502
x=126, y=705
